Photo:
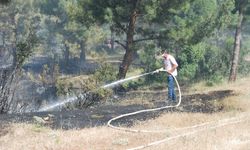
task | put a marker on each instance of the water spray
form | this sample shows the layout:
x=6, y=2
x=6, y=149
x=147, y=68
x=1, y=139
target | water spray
x=82, y=96
x=65, y=101
x=126, y=79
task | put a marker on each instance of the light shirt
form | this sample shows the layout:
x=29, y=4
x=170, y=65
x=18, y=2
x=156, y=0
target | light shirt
x=169, y=61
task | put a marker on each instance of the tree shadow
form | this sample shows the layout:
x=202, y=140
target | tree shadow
x=204, y=103
x=3, y=129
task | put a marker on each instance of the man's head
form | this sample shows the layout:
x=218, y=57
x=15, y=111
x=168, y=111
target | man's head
x=164, y=53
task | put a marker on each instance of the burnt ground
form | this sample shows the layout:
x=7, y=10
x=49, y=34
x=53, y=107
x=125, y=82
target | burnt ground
x=98, y=116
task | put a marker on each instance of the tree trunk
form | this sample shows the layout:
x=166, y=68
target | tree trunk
x=3, y=42
x=14, y=48
x=66, y=54
x=8, y=75
x=128, y=57
x=7, y=89
x=3, y=91
x=235, y=61
x=82, y=54
x=112, y=39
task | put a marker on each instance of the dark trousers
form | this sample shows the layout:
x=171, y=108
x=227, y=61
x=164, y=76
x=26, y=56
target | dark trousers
x=171, y=92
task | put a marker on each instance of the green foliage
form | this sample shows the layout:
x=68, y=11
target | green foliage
x=61, y=88
x=79, y=11
x=196, y=21
x=215, y=60
x=24, y=48
x=147, y=58
x=188, y=60
x=208, y=60
x=182, y=26
x=19, y=21
x=188, y=72
x=135, y=84
x=5, y=1
x=244, y=64
x=49, y=75
x=105, y=74
x=44, y=74
x=151, y=8
x=94, y=36
x=241, y=4
x=179, y=24
x=90, y=87
x=214, y=79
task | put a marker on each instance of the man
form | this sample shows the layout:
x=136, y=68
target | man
x=170, y=65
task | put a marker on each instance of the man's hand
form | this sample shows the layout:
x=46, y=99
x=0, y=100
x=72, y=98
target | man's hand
x=169, y=72
x=161, y=69
x=158, y=70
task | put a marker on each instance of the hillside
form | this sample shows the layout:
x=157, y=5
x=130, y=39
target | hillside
x=208, y=118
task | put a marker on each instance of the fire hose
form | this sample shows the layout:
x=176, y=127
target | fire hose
x=212, y=124
x=146, y=110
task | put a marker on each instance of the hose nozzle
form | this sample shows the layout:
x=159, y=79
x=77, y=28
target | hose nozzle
x=158, y=70
x=161, y=69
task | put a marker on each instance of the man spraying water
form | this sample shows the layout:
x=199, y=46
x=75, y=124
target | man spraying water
x=170, y=66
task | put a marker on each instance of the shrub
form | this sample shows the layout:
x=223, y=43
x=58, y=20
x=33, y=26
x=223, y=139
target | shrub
x=214, y=79
x=105, y=74
x=88, y=91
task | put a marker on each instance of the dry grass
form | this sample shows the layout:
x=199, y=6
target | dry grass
x=231, y=136
x=241, y=89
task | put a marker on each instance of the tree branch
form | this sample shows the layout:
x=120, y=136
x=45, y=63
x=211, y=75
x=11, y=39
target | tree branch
x=119, y=25
x=147, y=39
x=124, y=46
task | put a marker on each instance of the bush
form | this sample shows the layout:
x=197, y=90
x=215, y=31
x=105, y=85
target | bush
x=217, y=78
x=188, y=61
x=105, y=74
x=188, y=72
x=244, y=65
x=88, y=91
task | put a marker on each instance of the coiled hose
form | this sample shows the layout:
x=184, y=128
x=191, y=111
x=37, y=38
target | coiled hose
x=146, y=110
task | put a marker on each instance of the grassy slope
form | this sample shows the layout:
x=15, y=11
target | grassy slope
x=231, y=136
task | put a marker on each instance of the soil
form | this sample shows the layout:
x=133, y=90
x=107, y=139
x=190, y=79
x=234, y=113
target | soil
x=98, y=116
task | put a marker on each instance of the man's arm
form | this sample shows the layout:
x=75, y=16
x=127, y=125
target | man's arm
x=173, y=68
x=174, y=65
